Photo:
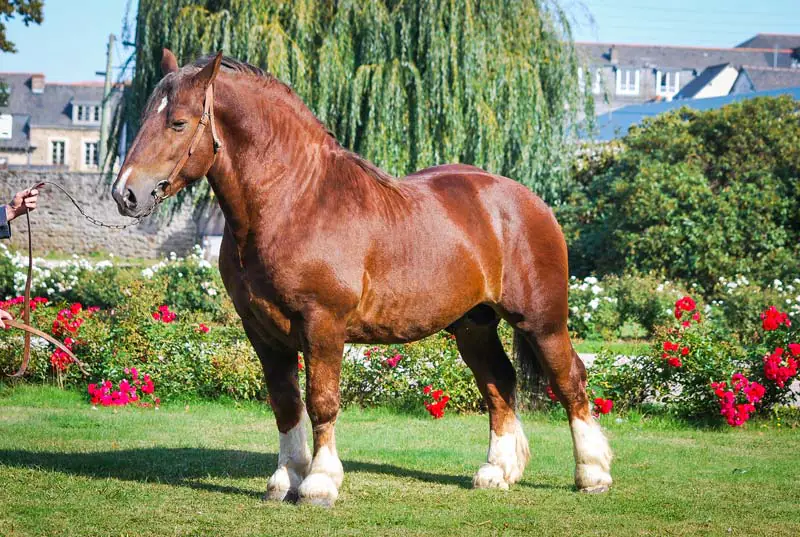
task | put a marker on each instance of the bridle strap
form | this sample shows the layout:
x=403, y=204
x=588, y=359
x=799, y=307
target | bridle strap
x=205, y=119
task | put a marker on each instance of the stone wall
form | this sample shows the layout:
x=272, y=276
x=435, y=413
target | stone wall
x=57, y=226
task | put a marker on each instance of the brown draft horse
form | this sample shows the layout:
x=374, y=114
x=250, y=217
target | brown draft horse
x=322, y=248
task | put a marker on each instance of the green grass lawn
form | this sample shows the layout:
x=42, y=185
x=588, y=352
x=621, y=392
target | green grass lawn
x=66, y=469
x=628, y=348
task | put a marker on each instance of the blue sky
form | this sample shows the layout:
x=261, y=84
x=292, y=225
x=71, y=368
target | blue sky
x=70, y=45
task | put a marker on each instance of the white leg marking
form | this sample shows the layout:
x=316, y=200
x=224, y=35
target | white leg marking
x=120, y=187
x=294, y=462
x=592, y=456
x=507, y=458
x=162, y=105
x=321, y=487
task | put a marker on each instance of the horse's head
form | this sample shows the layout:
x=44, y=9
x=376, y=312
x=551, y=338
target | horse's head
x=173, y=147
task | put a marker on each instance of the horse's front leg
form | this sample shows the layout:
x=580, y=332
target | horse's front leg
x=323, y=347
x=280, y=372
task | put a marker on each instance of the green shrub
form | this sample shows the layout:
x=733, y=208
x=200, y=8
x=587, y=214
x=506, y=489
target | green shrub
x=620, y=306
x=694, y=196
x=369, y=379
x=191, y=283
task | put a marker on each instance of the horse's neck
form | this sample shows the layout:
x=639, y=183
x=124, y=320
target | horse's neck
x=273, y=148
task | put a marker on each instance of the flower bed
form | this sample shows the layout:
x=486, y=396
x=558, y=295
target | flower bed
x=698, y=370
x=172, y=321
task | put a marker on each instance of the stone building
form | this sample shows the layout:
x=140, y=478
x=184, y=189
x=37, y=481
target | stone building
x=50, y=126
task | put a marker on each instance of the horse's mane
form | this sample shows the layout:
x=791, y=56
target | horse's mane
x=236, y=66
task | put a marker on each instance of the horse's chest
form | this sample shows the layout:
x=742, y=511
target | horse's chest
x=253, y=290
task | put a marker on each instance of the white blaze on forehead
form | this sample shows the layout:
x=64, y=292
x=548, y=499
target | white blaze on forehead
x=162, y=105
x=123, y=179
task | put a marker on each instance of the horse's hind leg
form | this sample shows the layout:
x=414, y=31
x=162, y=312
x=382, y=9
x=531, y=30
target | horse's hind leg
x=481, y=349
x=568, y=378
x=280, y=373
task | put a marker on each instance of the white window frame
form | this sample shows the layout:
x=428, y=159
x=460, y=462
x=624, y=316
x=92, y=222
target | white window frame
x=51, y=145
x=84, y=144
x=627, y=81
x=672, y=86
x=85, y=113
x=597, y=81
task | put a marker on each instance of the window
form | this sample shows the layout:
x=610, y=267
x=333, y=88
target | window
x=90, y=154
x=667, y=84
x=596, y=86
x=627, y=82
x=58, y=150
x=87, y=113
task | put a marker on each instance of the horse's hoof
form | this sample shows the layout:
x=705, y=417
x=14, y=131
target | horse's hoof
x=592, y=478
x=282, y=486
x=278, y=495
x=318, y=489
x=599, y=489
x=489, y=476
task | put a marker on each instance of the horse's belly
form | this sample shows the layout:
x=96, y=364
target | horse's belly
x=399, y=318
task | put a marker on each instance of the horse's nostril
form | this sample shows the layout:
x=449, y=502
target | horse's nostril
x=129, y=198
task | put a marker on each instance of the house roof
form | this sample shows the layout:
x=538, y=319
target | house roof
x=616, y=124
x=784, y=41
x=700, y=81
x=670, y=57
x=51, y=108
x=19, y=134
x=765, y=78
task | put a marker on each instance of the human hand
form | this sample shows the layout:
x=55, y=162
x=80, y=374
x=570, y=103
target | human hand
x=4, y=315
x=22, y=203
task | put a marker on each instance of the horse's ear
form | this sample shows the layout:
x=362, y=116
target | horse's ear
x=169, y=63
x=207, y=74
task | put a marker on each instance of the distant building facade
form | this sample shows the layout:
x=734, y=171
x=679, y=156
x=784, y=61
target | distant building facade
x=622, y=75
x=48, y=126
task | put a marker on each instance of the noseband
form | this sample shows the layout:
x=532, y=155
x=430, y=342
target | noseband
x=205, y=119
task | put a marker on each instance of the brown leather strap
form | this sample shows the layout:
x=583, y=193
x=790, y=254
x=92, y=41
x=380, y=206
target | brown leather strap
x=36, y=332
x=26, y=307
x=205, y=119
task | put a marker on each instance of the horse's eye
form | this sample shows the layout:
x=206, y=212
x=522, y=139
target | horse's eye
x=179, y=124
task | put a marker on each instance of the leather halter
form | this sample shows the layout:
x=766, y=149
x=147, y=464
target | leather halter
x=205, y=119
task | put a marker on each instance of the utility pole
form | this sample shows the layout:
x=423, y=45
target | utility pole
x=105, y=118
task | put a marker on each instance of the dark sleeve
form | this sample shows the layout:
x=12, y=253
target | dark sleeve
x=5, y=227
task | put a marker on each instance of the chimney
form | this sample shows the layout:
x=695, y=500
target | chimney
x=613, y=55
x=37, y=83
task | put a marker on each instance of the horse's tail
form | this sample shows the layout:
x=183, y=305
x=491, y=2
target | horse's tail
x=533, y=379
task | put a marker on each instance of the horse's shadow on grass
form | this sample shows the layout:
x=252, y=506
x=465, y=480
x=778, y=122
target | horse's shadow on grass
x=187, y=467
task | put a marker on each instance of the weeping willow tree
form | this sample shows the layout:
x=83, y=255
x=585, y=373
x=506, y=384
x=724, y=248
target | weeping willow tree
x=406, y=83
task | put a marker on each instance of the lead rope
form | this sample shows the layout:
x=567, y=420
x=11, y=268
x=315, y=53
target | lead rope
x=26, y=311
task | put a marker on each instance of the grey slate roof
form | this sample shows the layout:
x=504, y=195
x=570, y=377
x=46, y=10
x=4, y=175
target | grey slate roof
x=50, y=108
x=699, y=82
x=616, y=124
x=765, y=78
x=19, y=134
x=771, y=41
x=668, y=57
